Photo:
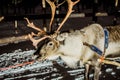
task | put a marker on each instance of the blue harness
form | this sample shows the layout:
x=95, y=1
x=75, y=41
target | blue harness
x=106, y=42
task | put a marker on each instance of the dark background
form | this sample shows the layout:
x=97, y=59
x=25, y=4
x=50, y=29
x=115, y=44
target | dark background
x=16, y=10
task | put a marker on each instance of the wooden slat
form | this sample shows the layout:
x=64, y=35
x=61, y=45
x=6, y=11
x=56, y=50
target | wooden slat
x=13, y=39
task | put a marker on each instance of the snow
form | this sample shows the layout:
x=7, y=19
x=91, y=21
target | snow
x=35, y=69
x=45, y=69
x=109, y=70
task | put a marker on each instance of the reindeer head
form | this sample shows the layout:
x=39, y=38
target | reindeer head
x=49, y=42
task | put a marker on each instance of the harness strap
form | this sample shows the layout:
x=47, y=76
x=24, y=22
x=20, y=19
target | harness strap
x=97, y=50
x=93, y=48
x=106, y=40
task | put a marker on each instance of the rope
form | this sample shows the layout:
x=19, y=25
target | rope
x=18, y=65
x=109, y=62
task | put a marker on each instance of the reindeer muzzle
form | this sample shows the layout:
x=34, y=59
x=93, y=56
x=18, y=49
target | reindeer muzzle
x=37, y=53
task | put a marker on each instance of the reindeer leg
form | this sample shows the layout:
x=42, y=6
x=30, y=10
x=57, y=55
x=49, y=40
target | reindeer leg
x=97, y=72
x=87, y=69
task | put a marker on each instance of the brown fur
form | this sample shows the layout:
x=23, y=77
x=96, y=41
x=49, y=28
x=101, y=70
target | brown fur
x=114, y=31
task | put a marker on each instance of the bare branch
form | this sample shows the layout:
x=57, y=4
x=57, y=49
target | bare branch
x=70, y=7
x=53, y=8
x=30, y=24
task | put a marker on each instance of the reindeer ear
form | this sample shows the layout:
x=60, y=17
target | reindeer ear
x=62, y=36
x=82, y=32
x=65, y=35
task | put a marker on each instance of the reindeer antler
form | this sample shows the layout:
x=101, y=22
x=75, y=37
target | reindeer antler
x=43, y=32
x=35, y=42
x=53, y=8
x=70, y=7
x=30, y=24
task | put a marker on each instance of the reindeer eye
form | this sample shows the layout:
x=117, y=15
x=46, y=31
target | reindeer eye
x=50, y=44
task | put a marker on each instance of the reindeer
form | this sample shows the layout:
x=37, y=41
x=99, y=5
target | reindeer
x=73, y=47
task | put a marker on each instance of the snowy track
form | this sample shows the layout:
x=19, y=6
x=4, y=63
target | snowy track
x=47, y=70
x=38, y=70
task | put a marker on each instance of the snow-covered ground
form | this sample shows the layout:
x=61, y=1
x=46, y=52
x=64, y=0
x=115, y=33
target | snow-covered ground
x=43, y=70
x=46, y=70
